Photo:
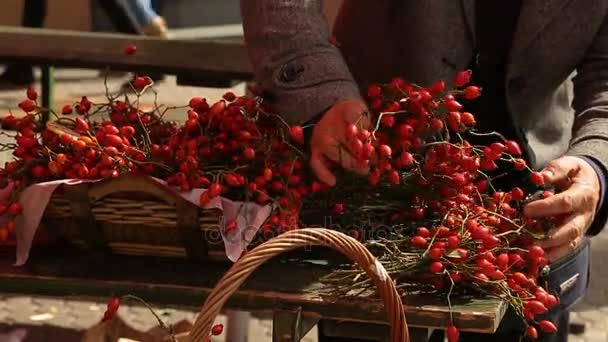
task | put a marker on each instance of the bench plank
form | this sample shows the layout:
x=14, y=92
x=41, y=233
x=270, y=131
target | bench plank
x=278, y=284
x=198, y=58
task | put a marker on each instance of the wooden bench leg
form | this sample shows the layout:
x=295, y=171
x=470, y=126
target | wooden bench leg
x=291, y=325
x=237, y=325
x=47, y=81
x=419, y=334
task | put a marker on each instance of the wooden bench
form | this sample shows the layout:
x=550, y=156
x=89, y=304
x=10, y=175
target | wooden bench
x=285, y=288
x=200, y=61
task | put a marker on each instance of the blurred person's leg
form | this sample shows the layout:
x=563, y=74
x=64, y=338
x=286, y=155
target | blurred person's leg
x=151, y=23
x=21, y=74
x=120, y=16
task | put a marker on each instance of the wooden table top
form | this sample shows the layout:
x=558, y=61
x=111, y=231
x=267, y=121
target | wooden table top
x=176, y=282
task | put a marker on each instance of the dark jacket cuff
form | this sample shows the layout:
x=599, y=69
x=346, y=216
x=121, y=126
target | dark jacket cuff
x=601, y=215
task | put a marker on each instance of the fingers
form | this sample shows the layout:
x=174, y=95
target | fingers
x=317, y=164
x=332, y=151
x=572, y=229
x=337, y=152
x=356, y=112
x=555, y=253
x=329, y=142
x=578, y=197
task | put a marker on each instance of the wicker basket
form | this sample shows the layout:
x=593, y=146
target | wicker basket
x=340, y=242
x=134, y=215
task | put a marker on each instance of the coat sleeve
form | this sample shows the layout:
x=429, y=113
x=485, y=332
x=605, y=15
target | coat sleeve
x=295, y=65
x=590, y=130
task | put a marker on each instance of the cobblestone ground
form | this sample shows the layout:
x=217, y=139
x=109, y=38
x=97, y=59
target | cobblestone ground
x=57, y=314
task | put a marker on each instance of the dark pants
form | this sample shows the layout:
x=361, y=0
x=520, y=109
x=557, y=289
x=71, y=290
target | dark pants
x=34, y=14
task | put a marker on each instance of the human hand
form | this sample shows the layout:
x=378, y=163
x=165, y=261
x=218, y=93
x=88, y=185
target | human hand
x=578, y=203
x=330, y=144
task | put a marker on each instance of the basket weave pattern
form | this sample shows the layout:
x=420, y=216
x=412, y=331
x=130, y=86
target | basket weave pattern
x=136, y=217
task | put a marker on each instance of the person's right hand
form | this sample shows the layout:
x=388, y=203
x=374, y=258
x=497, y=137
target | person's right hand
x=329, y=143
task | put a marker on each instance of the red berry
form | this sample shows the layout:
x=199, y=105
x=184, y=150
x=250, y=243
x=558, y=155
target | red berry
x=547, y=326
x=113, y=305
x=364, y=134
x=249, y=153
x=369, y=151
x=141, y=82
x=231, y=226
x=472, y=92
x=537, y=178
x=229, y=96
x=388, y=121
x=418, y=241
x=31, y=94
x=551, y=301
x=436, y=125
x=541, y=296
x=215, y=190
x=406, y=159
x=393, y=177
x=351, y=130
x=497, y=148
x=535, y=252
x=467, y=119
x=197, y=102
x=536, y=307
x=452, y=333
x=531, y=333
x=374, y=91
x=513, y=148
x=338, y=209
x=27, y=105
x=462, y=78
x=297, y=134
x=217, y=329
x=127, y=131
x=405, y=131
x=436, y=267
x=130, y=49
x=424, y=232
x=437, y=87
x=15, y=209
x=453, y=106
x=517, y=194
x=519, y=164
x=453, y=241
x=456, y=277
x=384, y=151
x=436, y=253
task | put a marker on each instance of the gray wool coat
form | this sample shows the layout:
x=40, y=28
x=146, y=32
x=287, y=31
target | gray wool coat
x=556, y=80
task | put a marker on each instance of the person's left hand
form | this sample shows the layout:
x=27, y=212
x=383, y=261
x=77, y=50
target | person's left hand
x=577, y=202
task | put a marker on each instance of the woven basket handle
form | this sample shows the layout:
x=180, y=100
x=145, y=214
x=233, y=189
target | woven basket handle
x=291, y=240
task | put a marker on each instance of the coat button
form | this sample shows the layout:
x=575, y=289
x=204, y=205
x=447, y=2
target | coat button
x=516, y=84
x=291, y=72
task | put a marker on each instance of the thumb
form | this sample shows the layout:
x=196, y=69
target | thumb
x=560, y=172
x=353, y=111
